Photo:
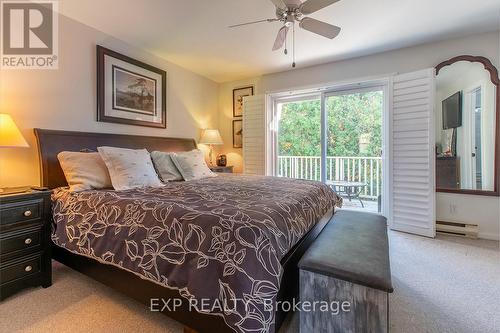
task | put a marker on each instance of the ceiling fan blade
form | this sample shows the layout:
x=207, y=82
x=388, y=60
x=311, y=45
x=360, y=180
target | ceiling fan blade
x=253, y=22
x=320, y=28
x=279, y=4
x=280, y=38
x=311, y=6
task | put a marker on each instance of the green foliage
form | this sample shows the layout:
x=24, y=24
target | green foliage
x=352, y=119
x=300, y=129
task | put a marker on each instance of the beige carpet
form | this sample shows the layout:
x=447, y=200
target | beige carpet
x=449, y=284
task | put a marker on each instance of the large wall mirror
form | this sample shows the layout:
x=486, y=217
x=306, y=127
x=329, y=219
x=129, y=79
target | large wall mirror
x=467, y=117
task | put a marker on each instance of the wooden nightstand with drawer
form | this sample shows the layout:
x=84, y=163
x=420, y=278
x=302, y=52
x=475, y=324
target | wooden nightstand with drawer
x=25, y=258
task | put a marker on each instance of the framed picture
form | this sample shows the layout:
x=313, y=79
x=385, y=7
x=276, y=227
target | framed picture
x=238, y=95
x=129, y=91
x=237, y=133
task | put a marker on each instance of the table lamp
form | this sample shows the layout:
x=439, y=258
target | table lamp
x=211, y=137
x=10, y=136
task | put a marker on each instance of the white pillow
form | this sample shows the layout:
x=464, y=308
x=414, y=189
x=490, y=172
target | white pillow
x=192, y=165
x=165, y=166
x=84, y=171
x=129, y=168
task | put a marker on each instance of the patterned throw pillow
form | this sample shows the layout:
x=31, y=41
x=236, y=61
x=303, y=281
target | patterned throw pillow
x=165, y=166
x=84, y=171
x=192, y=165
x=129, y=168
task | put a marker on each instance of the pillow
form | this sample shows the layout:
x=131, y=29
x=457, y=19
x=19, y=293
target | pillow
x=192, y=165
x=84, y=171
x=165, y=166
x=129, y=168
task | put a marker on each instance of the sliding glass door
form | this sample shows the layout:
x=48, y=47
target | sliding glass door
x=334, y=137
x=354, y=146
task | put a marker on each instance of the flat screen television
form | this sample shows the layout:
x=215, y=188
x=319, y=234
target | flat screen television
x=452, y=111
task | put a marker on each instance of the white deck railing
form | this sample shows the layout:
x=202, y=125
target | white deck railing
x=356, y=169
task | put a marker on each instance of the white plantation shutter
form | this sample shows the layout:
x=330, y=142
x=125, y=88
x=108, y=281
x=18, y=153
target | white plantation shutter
x=254, y=135
x=412, y=153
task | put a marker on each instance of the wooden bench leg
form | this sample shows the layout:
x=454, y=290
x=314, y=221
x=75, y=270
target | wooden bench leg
x=189, y=330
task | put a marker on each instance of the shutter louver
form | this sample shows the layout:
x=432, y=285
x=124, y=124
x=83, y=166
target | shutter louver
x=413, y=157
x=254, y=134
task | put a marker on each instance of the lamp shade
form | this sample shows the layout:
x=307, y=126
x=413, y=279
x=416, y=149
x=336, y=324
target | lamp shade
x=10, y=136
x=211, y=137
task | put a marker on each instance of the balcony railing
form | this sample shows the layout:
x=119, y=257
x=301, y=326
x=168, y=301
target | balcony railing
x=366, y=170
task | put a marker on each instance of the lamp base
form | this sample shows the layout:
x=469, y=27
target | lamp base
x=210, y=156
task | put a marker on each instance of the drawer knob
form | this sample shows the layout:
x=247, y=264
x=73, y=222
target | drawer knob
x=27, y=213
x=28, y=268
x=27, y=241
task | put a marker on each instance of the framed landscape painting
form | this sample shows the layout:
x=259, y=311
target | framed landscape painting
x=238, y=95
x=129, y=91
x=237, y=133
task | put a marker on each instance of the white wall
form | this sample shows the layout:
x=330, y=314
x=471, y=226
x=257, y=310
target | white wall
x=400, y=61
x=66, y=99
x=478, y=209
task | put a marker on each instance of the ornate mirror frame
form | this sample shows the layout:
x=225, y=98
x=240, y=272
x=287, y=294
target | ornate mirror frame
x=496, y=81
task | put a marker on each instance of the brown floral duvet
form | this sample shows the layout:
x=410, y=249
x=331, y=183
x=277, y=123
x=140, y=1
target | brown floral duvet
x=219, y=239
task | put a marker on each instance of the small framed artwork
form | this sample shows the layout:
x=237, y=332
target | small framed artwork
x=237, y=133
x=238, y=95
x=129, y=91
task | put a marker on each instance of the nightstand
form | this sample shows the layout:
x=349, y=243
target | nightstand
x=221, y=169
x=25, y=258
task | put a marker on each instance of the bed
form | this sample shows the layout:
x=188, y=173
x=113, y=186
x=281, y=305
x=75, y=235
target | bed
x=223, y=238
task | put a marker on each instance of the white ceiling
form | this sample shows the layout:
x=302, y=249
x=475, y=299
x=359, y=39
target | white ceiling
x=194, y=33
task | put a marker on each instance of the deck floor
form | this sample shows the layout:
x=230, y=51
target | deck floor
x=370, y=205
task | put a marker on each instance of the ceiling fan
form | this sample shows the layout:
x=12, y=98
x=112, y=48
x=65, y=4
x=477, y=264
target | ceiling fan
x=290, y=11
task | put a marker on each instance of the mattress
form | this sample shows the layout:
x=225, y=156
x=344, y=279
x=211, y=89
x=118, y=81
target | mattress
x=218, y=240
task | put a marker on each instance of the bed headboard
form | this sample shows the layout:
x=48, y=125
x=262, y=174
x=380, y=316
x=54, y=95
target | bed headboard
x=51, y=143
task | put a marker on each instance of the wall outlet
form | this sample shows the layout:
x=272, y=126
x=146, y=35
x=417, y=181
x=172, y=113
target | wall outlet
x=453, y=209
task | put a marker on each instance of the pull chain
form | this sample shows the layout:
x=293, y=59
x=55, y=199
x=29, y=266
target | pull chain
x=286, y=50
x=293, y=46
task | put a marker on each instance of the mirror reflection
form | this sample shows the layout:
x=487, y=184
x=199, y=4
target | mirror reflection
x=465, y=127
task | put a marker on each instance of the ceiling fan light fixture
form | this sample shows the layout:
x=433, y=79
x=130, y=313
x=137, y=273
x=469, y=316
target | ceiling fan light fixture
x=289, y=22
x=289, y=11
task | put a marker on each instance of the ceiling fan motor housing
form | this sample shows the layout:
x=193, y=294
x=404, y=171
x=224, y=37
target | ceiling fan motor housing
x=289, y=16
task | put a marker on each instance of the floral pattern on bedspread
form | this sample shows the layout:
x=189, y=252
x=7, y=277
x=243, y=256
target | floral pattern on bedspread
x=219, y=238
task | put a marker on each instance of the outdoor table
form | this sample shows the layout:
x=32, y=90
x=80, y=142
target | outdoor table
x=348, y=189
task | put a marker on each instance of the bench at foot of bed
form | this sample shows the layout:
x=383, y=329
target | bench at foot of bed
x=345, y=276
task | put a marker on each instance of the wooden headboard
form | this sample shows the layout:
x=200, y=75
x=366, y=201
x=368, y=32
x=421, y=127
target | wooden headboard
x=51, y=143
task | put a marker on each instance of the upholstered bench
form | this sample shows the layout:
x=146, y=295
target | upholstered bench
x=345, y=276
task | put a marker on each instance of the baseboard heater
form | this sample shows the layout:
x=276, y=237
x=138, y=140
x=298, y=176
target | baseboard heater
x=457, y=229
